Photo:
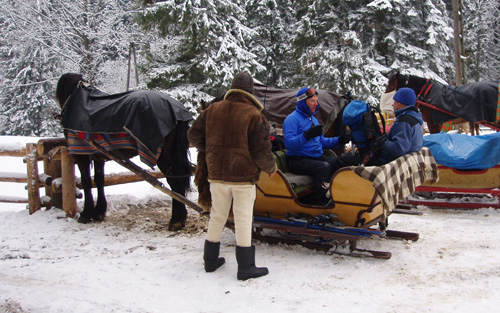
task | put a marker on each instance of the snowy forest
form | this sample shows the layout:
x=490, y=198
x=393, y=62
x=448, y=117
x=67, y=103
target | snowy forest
x=191, y=49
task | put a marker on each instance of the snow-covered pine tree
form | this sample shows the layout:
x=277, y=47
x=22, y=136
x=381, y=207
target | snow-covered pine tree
x=272, y=20
x=27, y=77
x=482, y=39
x=213, y=42
x=43, y=39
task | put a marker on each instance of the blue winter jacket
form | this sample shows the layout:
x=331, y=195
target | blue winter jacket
x=405, y=136
x=294, y=127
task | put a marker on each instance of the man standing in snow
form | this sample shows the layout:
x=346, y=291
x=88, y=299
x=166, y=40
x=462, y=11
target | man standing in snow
x=234, y=134
x=305, y=142
x=406, y=134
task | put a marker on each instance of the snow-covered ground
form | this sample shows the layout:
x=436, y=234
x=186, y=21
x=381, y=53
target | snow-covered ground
x=131, y=263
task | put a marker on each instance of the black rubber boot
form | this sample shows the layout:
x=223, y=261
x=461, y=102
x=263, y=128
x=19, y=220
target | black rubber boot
x=246, y=264
x=211, y=256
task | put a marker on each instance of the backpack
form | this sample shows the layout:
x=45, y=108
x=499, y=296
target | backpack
x=361, y=119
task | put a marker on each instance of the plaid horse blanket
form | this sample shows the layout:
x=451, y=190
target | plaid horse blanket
x=398, y=179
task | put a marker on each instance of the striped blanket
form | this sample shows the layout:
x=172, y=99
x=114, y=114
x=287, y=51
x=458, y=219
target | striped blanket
x=398, y=179
x=78, y=144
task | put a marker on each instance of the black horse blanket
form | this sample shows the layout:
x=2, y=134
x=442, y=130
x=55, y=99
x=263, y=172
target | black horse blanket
x=146, y=116
x=473, y=102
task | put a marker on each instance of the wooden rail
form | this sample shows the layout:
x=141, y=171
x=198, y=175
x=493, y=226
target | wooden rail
x=58, y=179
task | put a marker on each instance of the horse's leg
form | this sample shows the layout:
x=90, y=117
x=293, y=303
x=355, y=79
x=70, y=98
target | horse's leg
x=83, y=162
x=474, y=129
x=174, y=163
x=427, y=117
x=102, y=204
x=179, y=212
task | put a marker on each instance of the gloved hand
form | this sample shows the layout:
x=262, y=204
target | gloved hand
x=375, y=149
x=314, y=131
x=379, y=142
x=345, y=137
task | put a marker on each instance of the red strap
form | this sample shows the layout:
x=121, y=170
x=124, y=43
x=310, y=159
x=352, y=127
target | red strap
x=425, y=88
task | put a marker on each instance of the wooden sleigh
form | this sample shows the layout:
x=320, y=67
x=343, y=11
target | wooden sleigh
x=362, y=198
x=477, y=185
x=476, y=189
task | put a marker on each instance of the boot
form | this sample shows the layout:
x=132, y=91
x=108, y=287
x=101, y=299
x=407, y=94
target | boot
x=246, y=264
x=211, y=256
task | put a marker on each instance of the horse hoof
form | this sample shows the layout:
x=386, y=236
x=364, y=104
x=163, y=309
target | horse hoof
x=176, y=226
x=84, y=219
x=99, y=218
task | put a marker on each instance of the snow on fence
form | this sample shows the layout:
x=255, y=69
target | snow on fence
x=62, y=188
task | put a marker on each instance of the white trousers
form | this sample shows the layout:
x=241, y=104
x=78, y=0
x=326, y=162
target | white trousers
x=243, y=198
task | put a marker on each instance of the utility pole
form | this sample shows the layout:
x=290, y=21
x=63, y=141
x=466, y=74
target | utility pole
x=458, y=42
x=131, y=52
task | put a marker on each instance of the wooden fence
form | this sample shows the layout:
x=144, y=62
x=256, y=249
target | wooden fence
x=58, y=179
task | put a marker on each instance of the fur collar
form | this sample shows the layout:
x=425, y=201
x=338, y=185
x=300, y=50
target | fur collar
x=248, y=95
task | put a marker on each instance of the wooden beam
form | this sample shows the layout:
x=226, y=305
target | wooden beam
x=68, y=182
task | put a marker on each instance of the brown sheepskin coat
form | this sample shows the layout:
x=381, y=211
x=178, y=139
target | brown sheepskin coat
x=234, y=135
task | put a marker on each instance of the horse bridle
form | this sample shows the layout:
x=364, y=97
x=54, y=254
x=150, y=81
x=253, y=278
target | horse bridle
x=405, y=79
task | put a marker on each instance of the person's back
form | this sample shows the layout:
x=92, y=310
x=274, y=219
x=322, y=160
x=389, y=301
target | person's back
x=232, y=155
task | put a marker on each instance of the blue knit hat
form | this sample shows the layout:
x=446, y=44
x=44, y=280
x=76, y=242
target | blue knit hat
x=405, y=96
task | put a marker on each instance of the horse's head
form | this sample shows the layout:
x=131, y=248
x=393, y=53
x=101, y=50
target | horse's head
x=65, y=86
x=392, y=84
x=204, y=104
x=396, y=81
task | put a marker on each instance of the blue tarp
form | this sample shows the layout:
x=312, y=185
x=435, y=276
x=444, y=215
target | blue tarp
x=465, y=152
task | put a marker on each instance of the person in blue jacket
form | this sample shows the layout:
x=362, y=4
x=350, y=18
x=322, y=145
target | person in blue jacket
x=406, y=134
x=305, y=142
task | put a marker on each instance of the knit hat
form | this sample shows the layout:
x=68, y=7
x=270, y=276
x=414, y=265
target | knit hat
x=243, y=81
x=405, y=96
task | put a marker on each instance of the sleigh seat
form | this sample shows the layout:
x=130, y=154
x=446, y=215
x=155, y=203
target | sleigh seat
x=301, y=185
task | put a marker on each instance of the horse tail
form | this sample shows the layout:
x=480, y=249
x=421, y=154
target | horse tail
x=201, y=182
x=182, y=167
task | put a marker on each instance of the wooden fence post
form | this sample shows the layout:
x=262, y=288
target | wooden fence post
x=68, y=183
x=32, y=176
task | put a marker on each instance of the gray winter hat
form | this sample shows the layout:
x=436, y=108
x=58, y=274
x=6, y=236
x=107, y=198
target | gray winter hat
x=243, y=81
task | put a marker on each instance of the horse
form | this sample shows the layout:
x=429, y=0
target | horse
x=439, y=103
x=172, y=151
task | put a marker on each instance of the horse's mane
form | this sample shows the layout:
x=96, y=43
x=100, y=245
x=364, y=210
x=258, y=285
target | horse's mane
x=398, y=80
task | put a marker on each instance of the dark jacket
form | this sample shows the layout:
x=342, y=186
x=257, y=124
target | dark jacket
x=405, y=136
x=234, y=134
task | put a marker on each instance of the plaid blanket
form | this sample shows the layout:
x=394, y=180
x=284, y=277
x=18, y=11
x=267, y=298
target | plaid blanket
x=77, y=144
x=398, y=179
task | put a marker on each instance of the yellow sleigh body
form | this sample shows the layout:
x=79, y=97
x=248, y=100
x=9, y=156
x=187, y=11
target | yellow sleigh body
x=356, y=200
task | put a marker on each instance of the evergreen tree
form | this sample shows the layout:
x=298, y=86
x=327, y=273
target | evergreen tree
x=272, y=20
x=482, y=39
x=213, y=42
x=27, y=79
x=46, y=38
